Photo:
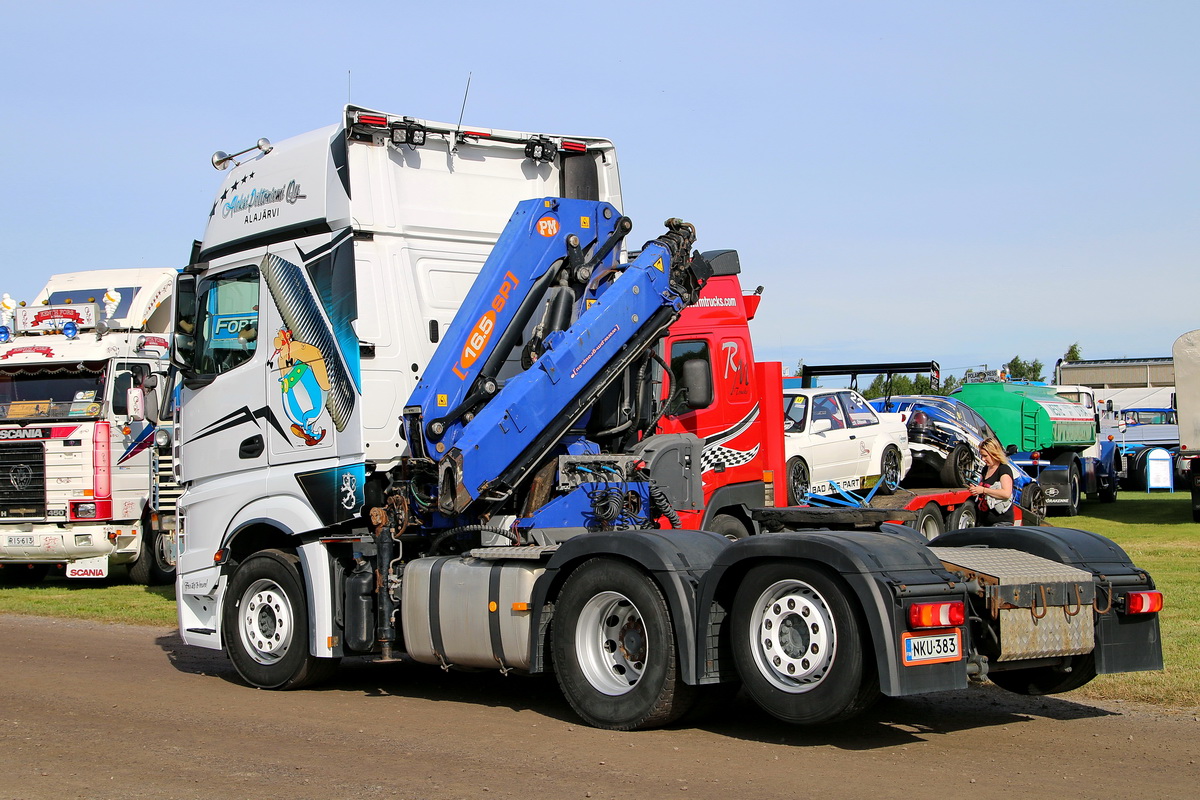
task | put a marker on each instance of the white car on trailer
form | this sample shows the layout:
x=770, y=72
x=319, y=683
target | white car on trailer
x=835, y=441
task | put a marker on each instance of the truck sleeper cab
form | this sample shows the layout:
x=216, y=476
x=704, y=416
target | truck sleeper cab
x=316, y=526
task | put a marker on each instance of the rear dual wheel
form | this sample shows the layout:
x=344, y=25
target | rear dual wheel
x=614, y=649
x=798, y=646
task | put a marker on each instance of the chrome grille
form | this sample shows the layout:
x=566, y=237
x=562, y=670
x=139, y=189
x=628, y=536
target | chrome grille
x=22, y=480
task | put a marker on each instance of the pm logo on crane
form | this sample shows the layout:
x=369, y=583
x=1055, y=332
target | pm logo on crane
x=479, y=336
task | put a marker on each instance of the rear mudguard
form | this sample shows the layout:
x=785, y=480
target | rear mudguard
x=1124, y=643
x=880, y=570
x=675, y=559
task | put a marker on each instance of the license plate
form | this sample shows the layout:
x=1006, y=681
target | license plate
x=20, y=541
x=88, y=568
x=935, y=647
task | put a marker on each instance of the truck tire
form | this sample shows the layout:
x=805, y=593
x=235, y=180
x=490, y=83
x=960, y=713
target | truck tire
x=614, y=649
x=959, y=467
x=889, y=470
x=265, y=624
x=151, y=567
x=728, y=526
x=965, y=516
x=929, y=521
x=1074, y=491
x=1047, y=680
x=798, y=647
x=799, y=480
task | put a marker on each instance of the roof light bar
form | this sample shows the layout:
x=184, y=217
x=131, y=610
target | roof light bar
x=410, y=134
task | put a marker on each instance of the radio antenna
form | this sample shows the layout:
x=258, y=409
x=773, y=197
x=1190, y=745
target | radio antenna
x=348, y=88
x=462, y=111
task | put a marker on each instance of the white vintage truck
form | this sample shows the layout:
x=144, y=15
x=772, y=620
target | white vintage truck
x=85, y=428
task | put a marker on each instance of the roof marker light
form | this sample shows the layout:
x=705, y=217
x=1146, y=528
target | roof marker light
x=372, y=119
x=542, y=150
x=5, y=334
x=574, y=147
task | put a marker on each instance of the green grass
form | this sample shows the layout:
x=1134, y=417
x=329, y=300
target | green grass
x=1155, y=529
x=111, y=600
x=1157, y=532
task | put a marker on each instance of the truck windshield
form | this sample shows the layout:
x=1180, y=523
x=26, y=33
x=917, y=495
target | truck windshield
x=58, y=391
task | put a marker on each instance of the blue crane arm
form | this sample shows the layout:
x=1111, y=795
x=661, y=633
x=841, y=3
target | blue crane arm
x=528, y=418
x=550, y=247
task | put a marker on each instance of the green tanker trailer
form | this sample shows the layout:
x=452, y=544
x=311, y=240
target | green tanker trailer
x=1052, y=432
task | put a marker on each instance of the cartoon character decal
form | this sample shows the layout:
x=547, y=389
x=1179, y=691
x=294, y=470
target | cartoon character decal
x=304, y=381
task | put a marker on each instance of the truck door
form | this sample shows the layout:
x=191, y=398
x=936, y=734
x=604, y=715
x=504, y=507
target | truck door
x=130, y=450
x=728, y=422
x=228, y=423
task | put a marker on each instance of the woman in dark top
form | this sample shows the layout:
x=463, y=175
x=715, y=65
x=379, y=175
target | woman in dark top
x=994, y=492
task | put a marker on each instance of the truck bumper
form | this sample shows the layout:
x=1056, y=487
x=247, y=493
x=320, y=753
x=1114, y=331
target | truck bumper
x=39, y=543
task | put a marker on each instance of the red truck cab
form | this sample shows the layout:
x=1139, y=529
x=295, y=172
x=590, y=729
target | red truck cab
x=740, y=418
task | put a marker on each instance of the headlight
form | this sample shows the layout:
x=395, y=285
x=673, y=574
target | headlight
x=85, y=510
x=162, y=437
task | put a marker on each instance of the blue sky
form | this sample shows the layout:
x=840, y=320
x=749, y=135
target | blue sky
x=962, y=181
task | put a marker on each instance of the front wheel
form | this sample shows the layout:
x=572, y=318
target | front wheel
x=889, y=470
x=798, y=647
x=614, y=649
x=799, y=480
x=728, y=526
x=959, y=467
x=265, y=624
x=152, y=567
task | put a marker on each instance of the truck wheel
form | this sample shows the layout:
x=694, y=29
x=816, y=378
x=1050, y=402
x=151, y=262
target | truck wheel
x=798, y=648
x=1047, y=680
x=889, y=470
x=965, y=516
x=614, y=649
x=23, y=574
x=265, y=624
x=152, y=567
x=728, y=526
x=1074, y=491
x=959, y=467
x=929, y=521
x=799, y=480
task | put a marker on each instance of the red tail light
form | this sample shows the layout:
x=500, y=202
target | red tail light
x=945, y=614
x=1143, y=602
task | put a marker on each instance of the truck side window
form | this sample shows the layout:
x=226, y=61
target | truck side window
x=681, y=354
x=226, y=321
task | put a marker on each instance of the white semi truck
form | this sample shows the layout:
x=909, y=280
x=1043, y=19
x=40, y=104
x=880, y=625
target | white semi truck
x=86, y=477
x=408, y=427
x=1185, y=354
